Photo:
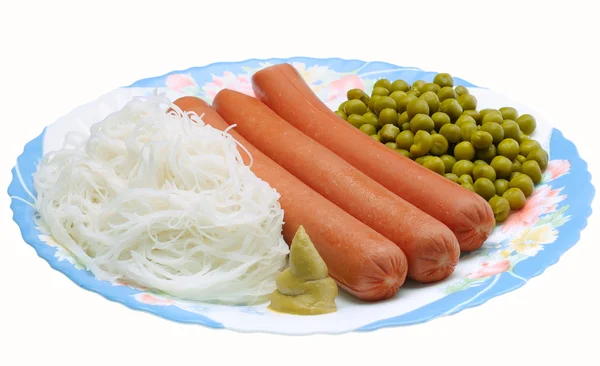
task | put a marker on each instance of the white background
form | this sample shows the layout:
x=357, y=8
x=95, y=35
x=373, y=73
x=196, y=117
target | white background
x=57, y=55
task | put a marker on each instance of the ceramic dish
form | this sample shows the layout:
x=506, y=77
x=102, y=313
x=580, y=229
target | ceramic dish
x=527, y=243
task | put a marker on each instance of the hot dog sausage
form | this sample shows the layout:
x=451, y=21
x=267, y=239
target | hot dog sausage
x=431, y=248
x=468, y=215
x=362, y=261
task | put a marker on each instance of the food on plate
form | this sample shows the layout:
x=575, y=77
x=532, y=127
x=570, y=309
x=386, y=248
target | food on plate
x=496, y=138
x=431, y=248
x=159, y=200
x=304, y=288
x=468, y=215
x=362, y=261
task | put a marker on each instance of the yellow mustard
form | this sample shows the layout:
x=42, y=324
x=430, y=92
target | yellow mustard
x=304, y=288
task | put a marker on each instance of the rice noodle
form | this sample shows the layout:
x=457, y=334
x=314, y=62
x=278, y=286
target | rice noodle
x=156, y=198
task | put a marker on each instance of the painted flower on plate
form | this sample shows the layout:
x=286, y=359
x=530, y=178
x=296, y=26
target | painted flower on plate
x=152, y=299
x=240, y=82
x=544, y=200
x=532, y=239
x=337, y=89
x=556, y=169
x=182, y=83
x=489, y=269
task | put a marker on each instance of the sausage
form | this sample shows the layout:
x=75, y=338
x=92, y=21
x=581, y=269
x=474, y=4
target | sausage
x=468, y=215
x=431, y=248
x=360, y=260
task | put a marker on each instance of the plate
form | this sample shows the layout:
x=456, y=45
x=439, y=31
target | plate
x=531, y=240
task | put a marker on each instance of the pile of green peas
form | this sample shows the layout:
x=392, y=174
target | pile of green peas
x=438, y=125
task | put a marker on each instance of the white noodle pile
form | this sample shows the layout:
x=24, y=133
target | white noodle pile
x=161, y=200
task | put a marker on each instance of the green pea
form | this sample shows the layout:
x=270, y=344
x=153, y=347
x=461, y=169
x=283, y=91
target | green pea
x=439, y=145
x=500, y=208
x=464, y=151
x=414, y=92
x=355, y=106
x=509, y=148
x=389, y=133
x=403, y=118
x=511, y=130
x=444, y=79
x=516, y=167
x=481, y=139
x=440, y=119
x=372, y=119
x=405, y=125
x=341, y=114
x=399, y=85
x=480, y=162
x=467, y=102
x=397, y=96
x=485, y=111
x=451, y=132
x=452, y=177
x=540, y=156
x=465, y=119
x=417, y=106
x=495, y=130
x=356, y=120
x=371, y=104
x=355, y=94
x=378, y=90
x=521, y=159
x=446, y=92
x=463, y=167
x=501, y=186
x=533, y=170
x=422, y=143
x=485, y=188
x=461, y=90
x=449, y=162
x=429, y=87
x=421, y=159
x=383, y=103
x=509, y=113
x=376, y=137
x=418, y=84
x=404, y=152
x=368, y=129
x=405, y=140
x=524, y=183
x=435, y=164
x=495, y=117
x=527, y=146
x=514, y=174
x=432, y=101
x=384, y=83
x=403, y=101
x=515, y=198
x=391, y=145
x=486, y=154
x=465, y=178
x=523, y=137
x=484, y=171
x=467, y=130
x=474, y=114
x=342, y=106
x=468, y=186
x=451, y=108
x=388, y=116
x=502, y=165
x=421, y=122
x=527, y=123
